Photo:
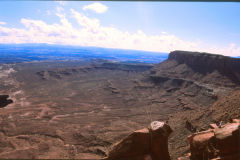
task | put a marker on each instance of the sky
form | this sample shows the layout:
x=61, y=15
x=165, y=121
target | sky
x=150, y=26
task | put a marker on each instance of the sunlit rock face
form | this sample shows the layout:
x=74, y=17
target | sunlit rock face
x=219, y=143
x=228, y=140
x=145, y=144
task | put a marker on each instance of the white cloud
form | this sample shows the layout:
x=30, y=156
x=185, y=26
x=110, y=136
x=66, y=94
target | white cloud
x=90, y=32
x=2, y=23
x=90, y=24
x=96, y=7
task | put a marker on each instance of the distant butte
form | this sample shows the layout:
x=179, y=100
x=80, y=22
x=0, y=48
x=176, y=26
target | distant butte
x=206, y=60
x=200, y=67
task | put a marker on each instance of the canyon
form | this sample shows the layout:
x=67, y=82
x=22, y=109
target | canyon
x=80, y=109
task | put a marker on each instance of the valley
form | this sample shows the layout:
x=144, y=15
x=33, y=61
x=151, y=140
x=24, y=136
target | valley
x=78, y=109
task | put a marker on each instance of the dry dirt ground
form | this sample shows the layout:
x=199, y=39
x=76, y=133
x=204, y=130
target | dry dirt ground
x=77, y=110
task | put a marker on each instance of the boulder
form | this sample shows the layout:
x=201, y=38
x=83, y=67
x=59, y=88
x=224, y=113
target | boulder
x=228, y=139
x=219, y=143
x=145, y=144
x=199, y=145
x=159, y=140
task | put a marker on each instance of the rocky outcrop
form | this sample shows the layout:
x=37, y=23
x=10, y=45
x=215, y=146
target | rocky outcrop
x=228, y=141
x=4, y=101
x=199, y=145
x=126, y=67
x=145, y=144
x=59, y=73
x=206, y=61
x=203, y=68
x=219, y=143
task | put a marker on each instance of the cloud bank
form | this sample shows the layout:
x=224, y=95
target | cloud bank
x=90, y=32
x=96, y=7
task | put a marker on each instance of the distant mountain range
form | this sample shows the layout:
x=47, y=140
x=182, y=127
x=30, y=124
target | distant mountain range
x=15, y=53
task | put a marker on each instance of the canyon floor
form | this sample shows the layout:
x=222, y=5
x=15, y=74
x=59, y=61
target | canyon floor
x=78, y=109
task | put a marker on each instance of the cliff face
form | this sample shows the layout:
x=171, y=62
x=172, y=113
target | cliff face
x=200, y=67
x=206, y=61
x=197, y=80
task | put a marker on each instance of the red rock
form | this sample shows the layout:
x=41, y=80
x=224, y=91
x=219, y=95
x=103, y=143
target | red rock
x=133, y=145
x=228, y=139
x=213, y=126
x=199, y=144
x=235, y=120
x=145, y=144
x=216, y=144
x=159, y=140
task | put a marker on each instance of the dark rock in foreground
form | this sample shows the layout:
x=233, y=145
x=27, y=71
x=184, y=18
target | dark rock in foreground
x=4, y=101
x=217, y=143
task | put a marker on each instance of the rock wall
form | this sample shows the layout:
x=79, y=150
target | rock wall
x=198, y=68
x=206, y=60
x=207, y=63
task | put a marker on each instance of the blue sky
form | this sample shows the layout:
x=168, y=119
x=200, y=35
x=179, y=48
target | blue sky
x=152, y=26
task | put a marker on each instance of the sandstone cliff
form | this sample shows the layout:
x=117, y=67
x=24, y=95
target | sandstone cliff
x=200, y=67
x=206, y=61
